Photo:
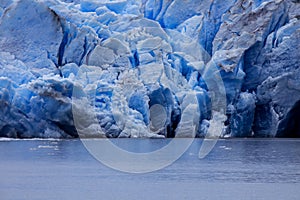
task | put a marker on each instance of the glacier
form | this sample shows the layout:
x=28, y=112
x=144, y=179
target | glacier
x=149, y=68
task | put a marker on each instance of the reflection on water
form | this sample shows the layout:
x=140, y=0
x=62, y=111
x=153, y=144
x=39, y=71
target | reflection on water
x=63, y=169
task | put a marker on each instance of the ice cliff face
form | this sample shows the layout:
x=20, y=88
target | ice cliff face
x=145, y=68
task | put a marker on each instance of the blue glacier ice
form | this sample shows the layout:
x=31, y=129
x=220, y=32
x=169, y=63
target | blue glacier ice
x=149, y=68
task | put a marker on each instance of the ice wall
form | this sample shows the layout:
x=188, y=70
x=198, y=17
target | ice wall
x=138, y=68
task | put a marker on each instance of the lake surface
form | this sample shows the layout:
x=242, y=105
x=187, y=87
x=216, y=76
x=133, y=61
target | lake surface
x=239, y=169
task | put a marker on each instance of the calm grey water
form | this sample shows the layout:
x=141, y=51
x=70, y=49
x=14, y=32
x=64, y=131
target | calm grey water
x=235, y=169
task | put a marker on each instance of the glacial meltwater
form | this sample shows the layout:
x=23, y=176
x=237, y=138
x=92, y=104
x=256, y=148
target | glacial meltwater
x=238, y=169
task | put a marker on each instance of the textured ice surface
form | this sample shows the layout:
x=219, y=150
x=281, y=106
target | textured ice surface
x=143, y=68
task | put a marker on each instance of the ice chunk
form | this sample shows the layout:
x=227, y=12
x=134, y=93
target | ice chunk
x=151, y=73
x=190, y=117
x=242, y=118
x=158, y=117
x=102, y=57
x=32, y=39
